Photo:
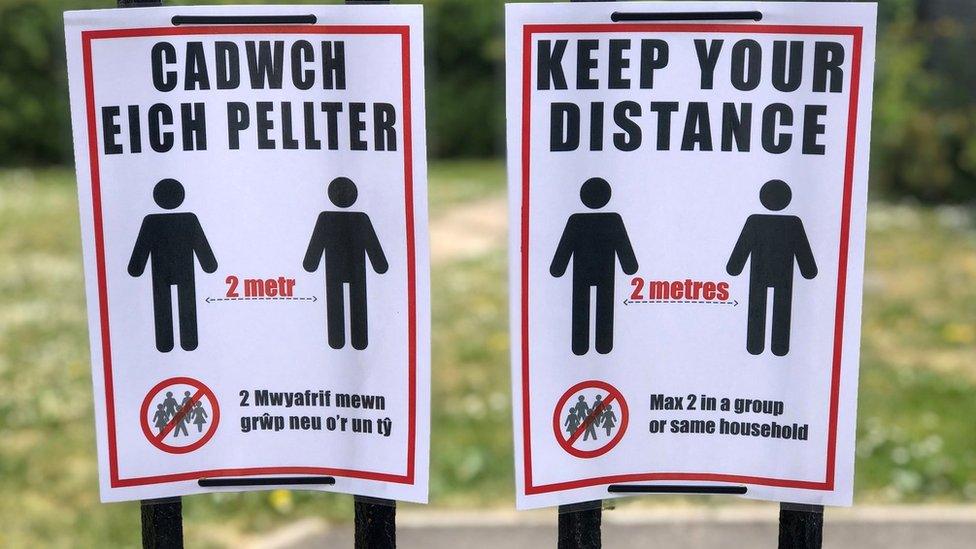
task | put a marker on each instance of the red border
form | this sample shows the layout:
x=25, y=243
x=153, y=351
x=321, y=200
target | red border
x=203, y=390
x=401, y=30
x=856, y=34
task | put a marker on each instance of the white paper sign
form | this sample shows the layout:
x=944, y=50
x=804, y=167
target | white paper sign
x=254, y=217
x=687, y=198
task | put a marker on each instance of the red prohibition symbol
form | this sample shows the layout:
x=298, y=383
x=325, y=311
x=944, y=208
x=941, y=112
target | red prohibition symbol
x=162, y=410
x=571, y=433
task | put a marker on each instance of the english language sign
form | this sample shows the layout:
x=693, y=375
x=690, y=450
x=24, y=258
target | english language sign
x=688, y=201
x=253, y=209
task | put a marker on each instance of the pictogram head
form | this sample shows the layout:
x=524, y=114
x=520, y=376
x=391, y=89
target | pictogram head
x=595, y=193
x=343, y=192
x=775, y=195
x=169, y=194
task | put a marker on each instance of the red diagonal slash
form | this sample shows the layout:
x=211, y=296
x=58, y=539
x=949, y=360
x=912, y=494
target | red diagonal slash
x=592, y=417
x=180, y=416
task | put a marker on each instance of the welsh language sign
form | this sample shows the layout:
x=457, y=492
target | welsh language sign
x=253, y=210
x=688, y=201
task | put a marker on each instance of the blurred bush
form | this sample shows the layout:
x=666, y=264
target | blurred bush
x=465, y=77
x=924, y=135
x=34, y=124
x=924, y=138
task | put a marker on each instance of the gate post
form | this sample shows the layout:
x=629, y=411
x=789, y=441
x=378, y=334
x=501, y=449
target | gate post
x=162, y=519
x=162, y=523
x=375, y=518
x=800, y=526
x=579, y=525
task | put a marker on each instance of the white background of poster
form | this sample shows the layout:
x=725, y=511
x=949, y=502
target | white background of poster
x=684, y=211
x=258, y=209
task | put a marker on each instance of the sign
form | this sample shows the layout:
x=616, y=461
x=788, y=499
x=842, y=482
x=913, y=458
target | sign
x=578, y=417
x=688, y=202
x=253, y=209
x=166, y=414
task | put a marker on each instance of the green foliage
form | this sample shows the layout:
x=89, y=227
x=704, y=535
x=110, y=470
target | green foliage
x=465, y=93
x=924, y=134
x=34, y=125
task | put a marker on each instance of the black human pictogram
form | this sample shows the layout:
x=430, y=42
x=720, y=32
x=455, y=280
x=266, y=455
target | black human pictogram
x=582, y=411
x=572, y=422
x=169, y=404
x=581, y=408
x=595, y=241
x=181, y=421
x=597, y=416
x=582, y=415
x=160, y=418
x=187, y=399
x=199, y=416
x=774, y=245
x=173, y=418
x=172, y=241
x=608, y=419
x=346, y=239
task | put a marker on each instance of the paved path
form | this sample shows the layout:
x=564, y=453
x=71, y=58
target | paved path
x=905, y=527
x=469, y=230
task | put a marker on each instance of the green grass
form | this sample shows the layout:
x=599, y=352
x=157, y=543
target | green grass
x=471, y=456
x=917, y=435
x=455, y=182
x=916, y=427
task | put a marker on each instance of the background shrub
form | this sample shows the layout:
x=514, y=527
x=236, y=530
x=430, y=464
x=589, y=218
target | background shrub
x=924, y=135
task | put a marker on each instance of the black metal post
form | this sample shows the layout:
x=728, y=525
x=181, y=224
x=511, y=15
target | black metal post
x=579, y=525
x=375, y=523
x=162, y=519
x=162, y=523
x=800, y=526
x=375, y=518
